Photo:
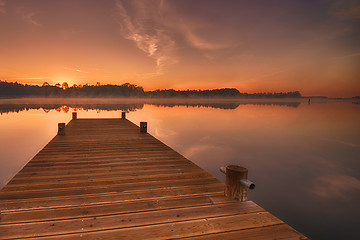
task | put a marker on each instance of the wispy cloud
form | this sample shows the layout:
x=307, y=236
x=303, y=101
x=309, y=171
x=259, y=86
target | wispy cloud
x=198, y=42
x=2, y=6
x=29, y=17
x=161, y=31
x=336, y=185
x=32, y=78
x=141, y=23
x=357, y=54
x=76, y=70
x=349, y=9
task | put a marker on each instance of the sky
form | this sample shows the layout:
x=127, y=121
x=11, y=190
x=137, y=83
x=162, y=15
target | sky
x=255, y=46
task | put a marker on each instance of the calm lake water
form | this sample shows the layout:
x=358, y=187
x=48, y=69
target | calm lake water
x=304, y=158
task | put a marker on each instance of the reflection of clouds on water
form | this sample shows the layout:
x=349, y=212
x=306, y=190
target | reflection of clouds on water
x=336, y=186
x=203, y=149
x=342, y=142
x=326, y=176
x=211, y=157
x=164, y=133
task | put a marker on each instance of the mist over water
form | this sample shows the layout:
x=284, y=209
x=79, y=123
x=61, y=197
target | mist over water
x=130, y=104
x=304, y=158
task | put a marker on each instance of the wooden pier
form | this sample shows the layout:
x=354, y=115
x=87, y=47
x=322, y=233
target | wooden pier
x=105, y=179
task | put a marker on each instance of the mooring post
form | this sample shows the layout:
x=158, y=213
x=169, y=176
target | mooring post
x=237, y=182
x=143, y=127
x=61, y=129
x=123, y=115
x=74, y=115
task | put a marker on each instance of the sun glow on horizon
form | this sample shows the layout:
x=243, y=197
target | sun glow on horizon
x=166, y=44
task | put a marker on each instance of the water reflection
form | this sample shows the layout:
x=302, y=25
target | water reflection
x=229, y=105
x=68, y=105
x=7, y=108
x=303, y=159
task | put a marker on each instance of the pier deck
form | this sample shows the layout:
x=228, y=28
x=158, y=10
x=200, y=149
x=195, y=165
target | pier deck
x=106, y=180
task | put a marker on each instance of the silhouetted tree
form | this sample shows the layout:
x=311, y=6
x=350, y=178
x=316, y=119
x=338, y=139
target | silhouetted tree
x=65, y=85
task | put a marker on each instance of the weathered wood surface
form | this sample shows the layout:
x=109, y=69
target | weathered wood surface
x=104, y=179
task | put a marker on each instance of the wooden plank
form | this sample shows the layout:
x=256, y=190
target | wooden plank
x=178, y=229
x=116, y=221
x=105, y=180
x=108, y=197
x=126, y=159
x=280, y=231
x=30, y=194
x=93, y=176
x=150, y=203
x=118, y=169
x=29, y=171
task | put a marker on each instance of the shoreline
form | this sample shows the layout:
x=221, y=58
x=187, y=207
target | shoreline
x=104, y=100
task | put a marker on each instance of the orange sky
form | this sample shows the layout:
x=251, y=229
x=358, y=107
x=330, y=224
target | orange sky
x=280, y=45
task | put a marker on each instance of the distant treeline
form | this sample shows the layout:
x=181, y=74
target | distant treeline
x=15, y=90
x=18, y=90
x=223, y=92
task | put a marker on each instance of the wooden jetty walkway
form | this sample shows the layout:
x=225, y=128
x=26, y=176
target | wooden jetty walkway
x=104, y=179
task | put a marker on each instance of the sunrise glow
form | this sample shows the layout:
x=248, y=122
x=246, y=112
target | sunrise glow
x=255, y=46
